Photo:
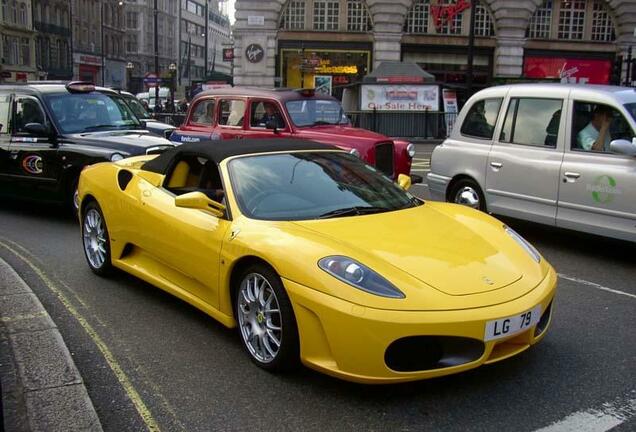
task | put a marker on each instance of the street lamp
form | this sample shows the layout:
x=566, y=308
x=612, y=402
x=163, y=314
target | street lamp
x=103, y=3
x=173, y=72
x=129, y=70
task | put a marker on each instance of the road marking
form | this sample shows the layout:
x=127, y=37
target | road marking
x=123, y=379
x=23, y=317
x=608, y=416
x=595, y=285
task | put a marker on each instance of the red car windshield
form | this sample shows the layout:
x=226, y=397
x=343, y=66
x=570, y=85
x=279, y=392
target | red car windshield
x=316, y=112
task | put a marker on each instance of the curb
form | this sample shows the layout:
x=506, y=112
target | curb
x=42, y=389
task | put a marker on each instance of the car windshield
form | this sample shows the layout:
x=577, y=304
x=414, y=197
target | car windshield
x=313, y=185
x=90, y=112
x=315, y=112
x=137, y=107
x=631, y=108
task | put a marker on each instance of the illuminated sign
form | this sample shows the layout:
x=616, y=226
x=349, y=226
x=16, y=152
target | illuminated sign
x=325, y=69
x=446, y=13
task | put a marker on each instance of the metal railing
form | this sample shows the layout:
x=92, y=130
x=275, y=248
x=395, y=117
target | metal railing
x=404, y=124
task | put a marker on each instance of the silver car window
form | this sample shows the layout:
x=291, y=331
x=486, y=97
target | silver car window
x=481, y=119
x=532, y=121
x=587, y=127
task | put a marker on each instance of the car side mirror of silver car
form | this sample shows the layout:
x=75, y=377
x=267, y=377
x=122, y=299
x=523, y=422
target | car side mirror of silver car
x=624, y=147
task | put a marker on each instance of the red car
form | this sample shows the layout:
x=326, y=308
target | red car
x=241, y=112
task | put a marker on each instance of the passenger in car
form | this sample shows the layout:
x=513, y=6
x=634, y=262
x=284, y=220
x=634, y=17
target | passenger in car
x=596, y=136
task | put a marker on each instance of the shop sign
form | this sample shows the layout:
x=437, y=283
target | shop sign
x=21, y=76
x=400, y=97
x=400, y=79
x=255, y=20
x=254, y=53
x=449, y=97
x=90, y=60
x=446, y=13
x=327, y=69
x=323, y=84
x=228, y=54
x=582, y=71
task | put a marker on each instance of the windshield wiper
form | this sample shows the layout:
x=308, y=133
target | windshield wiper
x=97, y=127
x=353, y=211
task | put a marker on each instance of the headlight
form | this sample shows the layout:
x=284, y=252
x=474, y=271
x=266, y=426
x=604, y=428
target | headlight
x=410, y=150
x=116, y=157
x=359, y=276
x=524, y=244
x=355, y=152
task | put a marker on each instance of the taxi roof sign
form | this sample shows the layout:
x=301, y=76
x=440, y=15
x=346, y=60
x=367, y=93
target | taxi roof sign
x=80, y=87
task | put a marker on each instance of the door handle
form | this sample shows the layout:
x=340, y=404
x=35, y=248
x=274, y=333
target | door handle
x=496, y=164
x=572, y=175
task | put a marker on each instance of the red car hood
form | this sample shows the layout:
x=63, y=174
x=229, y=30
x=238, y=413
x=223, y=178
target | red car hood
x=341, y=135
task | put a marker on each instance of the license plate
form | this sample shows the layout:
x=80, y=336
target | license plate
x=504, y=327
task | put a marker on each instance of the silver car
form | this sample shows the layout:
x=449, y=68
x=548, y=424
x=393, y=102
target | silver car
x=557, y=154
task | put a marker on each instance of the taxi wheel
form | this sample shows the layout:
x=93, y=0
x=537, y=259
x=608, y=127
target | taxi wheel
x=72, y=197
x=266, y=321
x=96, y=240
x=467, y=192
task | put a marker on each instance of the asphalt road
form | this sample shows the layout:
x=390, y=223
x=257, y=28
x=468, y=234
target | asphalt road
x=152, y=362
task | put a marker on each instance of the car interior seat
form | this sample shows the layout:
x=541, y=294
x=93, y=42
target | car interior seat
x=582, y=116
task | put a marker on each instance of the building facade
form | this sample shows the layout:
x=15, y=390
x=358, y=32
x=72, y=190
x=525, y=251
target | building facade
x=98, y=29
x=17, y=41
x=140, y=42
x=569, y=40
x=52, y=22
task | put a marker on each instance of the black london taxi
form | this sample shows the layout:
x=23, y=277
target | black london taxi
x=49, y=131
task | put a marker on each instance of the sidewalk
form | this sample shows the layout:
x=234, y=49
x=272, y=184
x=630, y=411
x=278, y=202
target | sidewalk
x=42, y=389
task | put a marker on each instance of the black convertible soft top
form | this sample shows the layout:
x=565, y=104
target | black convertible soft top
x=222, y=149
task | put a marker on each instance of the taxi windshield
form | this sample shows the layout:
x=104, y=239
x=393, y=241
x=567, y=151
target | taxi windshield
x=313, y=185
x=137, y=107
x=316, y=112
x=90, y=112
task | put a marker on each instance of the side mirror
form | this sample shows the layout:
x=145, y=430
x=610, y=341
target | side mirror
x=624, y=147
x=200, y=201
x=271, y=124
x=37, y=129
x=404, y=181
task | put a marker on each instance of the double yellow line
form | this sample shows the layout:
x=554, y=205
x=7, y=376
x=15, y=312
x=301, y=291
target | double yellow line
x=22, y=253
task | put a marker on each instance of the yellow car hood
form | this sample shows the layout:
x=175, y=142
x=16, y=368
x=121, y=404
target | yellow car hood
x=458, y=251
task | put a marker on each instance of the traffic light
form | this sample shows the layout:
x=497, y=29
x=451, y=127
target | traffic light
x=617, y=68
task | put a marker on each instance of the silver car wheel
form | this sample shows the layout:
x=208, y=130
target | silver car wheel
x=259, y=318
x=94, y=238
x=76, y=202
x=467, y=196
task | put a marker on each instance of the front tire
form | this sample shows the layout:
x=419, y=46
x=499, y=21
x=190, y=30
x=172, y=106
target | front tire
x=467, y=192
x=96, y=240
x=266, y=321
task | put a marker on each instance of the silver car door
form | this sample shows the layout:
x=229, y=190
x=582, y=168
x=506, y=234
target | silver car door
x=598, y=189
x=522, y=175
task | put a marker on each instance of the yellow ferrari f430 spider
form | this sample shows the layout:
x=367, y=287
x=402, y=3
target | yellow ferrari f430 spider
x=318, y=258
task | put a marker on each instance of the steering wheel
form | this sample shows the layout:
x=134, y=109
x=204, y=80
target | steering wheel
x=255, y=201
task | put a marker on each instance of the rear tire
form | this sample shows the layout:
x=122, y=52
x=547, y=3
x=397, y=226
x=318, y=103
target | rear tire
x=95, y=239
x=467, y=192
x=266, y=321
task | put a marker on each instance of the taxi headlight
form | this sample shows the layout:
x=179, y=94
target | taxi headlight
x=410, y=150
x=524, y=244
x=359, y=276
x=355, y=152
x=116, y=157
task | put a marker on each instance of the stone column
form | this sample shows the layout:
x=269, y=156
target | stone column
x=263, y=35
x=388, y=22
x=624, y=12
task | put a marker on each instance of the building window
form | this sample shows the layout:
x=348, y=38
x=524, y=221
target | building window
x=602, y=25
x=572, y=20
x=5, y=10
x=14, y=11
x=294, y=16
x=417, y=19
x=23, y=15
x=326, y=14
x=132, y=20
x=541, y=22
x=483, y=22
x=357, y=16
x=25, y=52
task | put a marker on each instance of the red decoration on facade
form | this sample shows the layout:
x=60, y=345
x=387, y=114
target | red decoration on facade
x=446, y=13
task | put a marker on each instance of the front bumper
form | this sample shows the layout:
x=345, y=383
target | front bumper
x=437, y=186
x=350, y=341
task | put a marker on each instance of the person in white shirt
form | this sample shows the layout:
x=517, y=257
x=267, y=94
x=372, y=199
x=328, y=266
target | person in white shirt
x=595, y=136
